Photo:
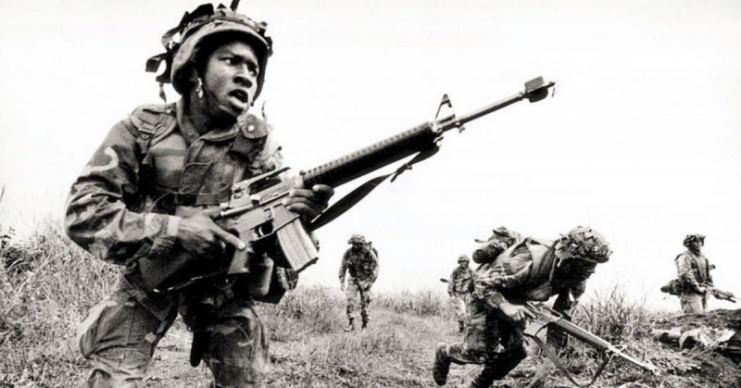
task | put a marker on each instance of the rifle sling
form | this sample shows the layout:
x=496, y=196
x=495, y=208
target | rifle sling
x=556, y=361
x=351, y=199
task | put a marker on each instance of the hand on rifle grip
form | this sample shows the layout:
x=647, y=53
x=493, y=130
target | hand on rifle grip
x=309, y=203
x=201, y=236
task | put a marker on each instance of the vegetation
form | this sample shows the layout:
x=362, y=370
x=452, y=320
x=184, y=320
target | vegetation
x=47, y=285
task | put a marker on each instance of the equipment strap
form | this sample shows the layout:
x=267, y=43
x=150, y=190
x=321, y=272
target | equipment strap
x=556, y=361
x=348, y=201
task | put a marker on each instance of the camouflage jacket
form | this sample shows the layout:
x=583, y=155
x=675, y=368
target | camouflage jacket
x=361, y=266
x=152, y=168
x=460, y=281
x=524, y=272
x=693, y=271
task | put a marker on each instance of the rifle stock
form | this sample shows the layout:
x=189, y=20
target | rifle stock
x=255, y=210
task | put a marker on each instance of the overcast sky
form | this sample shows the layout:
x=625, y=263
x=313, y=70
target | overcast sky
x=642, y=140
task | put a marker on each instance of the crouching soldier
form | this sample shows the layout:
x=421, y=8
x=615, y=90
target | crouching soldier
x=529, y=270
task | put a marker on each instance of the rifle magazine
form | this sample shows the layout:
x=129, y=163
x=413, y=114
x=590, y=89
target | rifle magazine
x=297, y=246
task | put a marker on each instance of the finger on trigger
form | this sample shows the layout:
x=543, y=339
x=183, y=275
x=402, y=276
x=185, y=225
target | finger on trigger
x=231, y=239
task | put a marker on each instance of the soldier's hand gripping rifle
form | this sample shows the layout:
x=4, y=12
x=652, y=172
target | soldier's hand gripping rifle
x=256, y=214
x=546, y=317
x=719, y=294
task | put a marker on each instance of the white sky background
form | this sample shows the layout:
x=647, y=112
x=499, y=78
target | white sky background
x=642, y=140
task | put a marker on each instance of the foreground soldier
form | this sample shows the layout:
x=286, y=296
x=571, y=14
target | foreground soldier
x=362, y=266
x=459, y=287
x=146, y=195
x=529, y=270
x=693, y=270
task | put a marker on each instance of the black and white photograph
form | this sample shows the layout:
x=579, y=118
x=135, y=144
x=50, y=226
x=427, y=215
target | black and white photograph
x=369, y=194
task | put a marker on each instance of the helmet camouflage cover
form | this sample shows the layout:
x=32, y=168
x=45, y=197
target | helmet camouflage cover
x=183, y=42
x=356, y=238
x=463, y=259
x=693, y=237
x=583, y=243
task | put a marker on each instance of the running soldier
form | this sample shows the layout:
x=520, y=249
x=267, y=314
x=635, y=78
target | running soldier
x=459, y=287
x=361, y=264
x=528, y=270
x=693, y=270
x=147, y=194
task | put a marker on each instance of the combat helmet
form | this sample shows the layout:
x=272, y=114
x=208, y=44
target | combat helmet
x=183, y=42
x=463, y=259
x=583, y=243
x=693, y=237
x=356, y=238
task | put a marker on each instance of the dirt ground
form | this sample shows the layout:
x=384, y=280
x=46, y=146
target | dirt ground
x=683, y=368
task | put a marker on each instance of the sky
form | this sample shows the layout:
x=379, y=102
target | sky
x=641, y=141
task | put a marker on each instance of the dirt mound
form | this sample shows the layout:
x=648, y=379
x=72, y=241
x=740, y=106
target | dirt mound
x=710, y=345
x=720, y=319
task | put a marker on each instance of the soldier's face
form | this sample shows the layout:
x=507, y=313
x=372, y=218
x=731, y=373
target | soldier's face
x=230, y=78
x=463, y=264
x=696, y=245
x=576, y=270
x=357, y=246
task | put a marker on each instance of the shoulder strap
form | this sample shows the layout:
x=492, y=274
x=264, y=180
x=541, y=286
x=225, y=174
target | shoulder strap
x=561, y=367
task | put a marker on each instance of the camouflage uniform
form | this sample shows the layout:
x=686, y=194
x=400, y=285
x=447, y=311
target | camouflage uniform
x=362, y=268
x=459, y=287
x=693, y=270
x=122, y=209
x=524, y=272
x=152, y=169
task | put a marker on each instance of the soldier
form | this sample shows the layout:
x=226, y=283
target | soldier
x=459, y=287
x=147, y=193
x=529, y=270
x=693, y=269
x=362, y=266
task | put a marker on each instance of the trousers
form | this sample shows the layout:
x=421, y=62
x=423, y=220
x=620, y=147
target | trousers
x=119, y=335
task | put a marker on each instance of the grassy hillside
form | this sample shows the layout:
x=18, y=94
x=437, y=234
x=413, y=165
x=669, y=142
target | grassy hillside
x=47, y=285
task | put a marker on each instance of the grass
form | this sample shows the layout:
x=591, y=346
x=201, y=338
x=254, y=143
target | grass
x=47, y=285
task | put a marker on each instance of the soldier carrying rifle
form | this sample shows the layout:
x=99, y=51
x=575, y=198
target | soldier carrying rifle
x=361, y=264
x=694, y=282
x=527, y=270
x=147, y=195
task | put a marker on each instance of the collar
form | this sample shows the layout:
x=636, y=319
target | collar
x=191, y=134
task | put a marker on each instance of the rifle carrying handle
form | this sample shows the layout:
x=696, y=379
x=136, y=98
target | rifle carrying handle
x=297, y=246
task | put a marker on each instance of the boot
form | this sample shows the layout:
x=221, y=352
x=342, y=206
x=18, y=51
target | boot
x=461, y=327
x=365, y=324
x=442, y=365
x=351, y=325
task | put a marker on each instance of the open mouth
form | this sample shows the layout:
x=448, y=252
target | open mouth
x=240, y=95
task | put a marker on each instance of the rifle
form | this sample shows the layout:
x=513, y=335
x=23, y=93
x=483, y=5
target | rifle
x=720, y=294
x=547, y=317
x=256, y=214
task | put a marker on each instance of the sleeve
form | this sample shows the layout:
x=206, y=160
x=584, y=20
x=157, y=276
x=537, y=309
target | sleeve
x=684, y=271
x=374, y=265
x=451, y=283
x=710, y=273
x=505, y=274
x=97, y=217
x=343, y=267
